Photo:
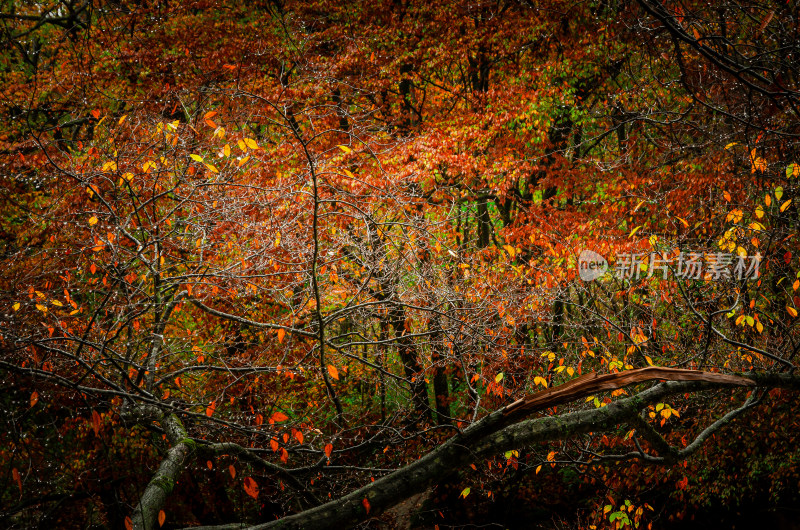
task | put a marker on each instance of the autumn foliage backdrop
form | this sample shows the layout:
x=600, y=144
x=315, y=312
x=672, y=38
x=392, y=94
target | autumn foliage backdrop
x=261, y=256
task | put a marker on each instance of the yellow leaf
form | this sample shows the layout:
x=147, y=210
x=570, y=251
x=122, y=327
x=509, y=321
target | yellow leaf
x=793, y=170
x=122, y=119
x=510, y=250
x=649, y=360
x=538, y=468
x=349, y=174
x=498, y=377
x=792, y=311
x=56, y=303
x=243, y=161
x=41, y=308
x=212, y=168
x=731, y=145
x=333, y=371
x=196, y=158
x=344, y=148
x=778, y=193
x=786, y=205
x=759, y=327
x=249, y=142
x=92, y=220
x=734, y=215
x=16, y=305
x=768, y=200
x=634, y=231
x=759, y=211
x=226, y=150
x=465, y=492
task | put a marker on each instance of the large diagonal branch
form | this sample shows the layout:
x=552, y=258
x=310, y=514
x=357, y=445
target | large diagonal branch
x=494, y=434
x=145, y=516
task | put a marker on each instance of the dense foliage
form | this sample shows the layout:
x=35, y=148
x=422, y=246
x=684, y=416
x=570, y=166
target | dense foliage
x=258, y=255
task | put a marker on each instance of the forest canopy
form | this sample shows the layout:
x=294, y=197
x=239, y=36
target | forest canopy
x=394, y=264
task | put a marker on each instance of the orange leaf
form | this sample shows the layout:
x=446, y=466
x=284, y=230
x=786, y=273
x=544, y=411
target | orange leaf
x=274, y=445
x=328, y=450
x=34, y=399
x=333, y=371
x=210, y=409
x=232, y=471
x=299, y=436
x=17, y=478
x=284, y=455
x=161, y=517
x=279, y=416
x=259, y=419
x=128, y=523
x=281, y=334
x=251, y=487
x=97, y=422
x=365, y=504
x=209, y=464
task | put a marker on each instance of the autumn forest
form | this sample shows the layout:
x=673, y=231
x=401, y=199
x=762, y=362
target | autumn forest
x=399, y=264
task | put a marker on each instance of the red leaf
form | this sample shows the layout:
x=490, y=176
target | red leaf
x=251, y=487
x=274, y=445
x=328, y=450
x=210, y=464
x=259, y=419
x=365, y=504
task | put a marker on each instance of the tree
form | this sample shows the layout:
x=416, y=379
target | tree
x=308, y=260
